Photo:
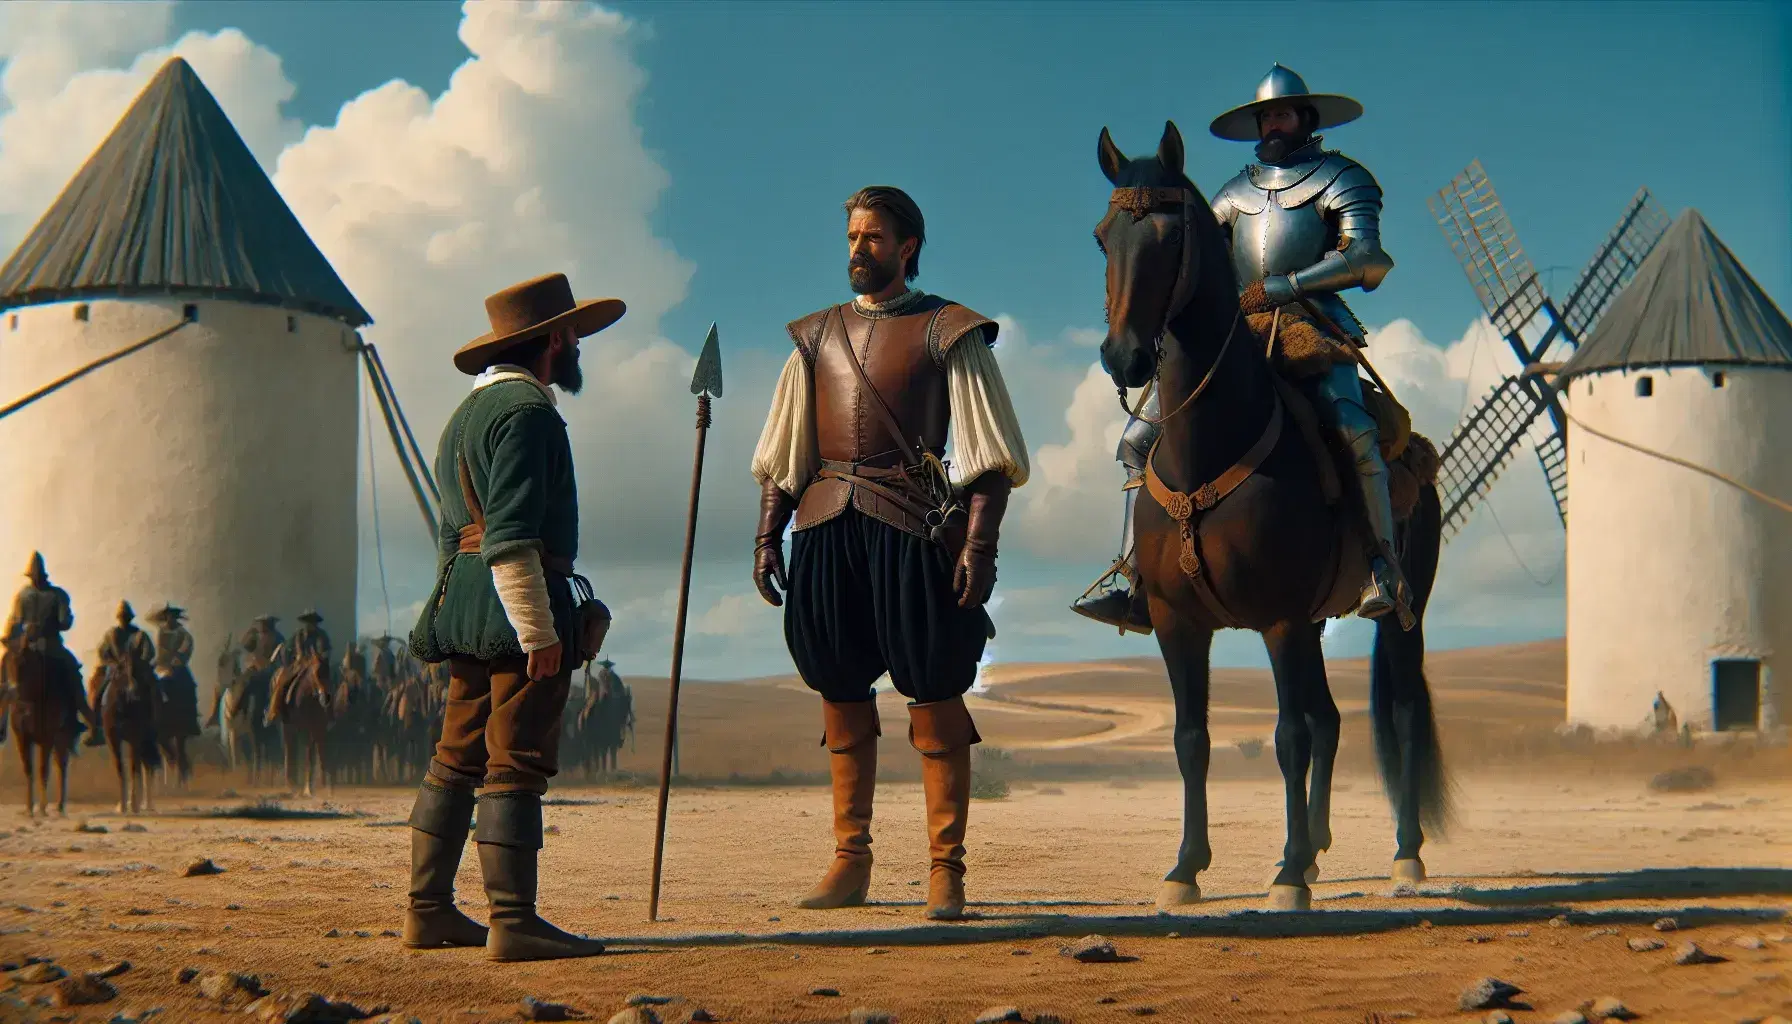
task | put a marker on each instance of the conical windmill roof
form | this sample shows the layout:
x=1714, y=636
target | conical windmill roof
x=1691, y=303
x=173, y=202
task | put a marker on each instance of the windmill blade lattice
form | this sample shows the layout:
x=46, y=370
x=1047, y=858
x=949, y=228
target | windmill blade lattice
x=1481, y=448
x=1611, y=268
x=1475, y=223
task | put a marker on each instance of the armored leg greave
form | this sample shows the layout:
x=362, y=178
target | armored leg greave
x=1124, y=607
x=1343, y=394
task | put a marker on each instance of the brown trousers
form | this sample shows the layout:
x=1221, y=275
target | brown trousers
x=501, y=729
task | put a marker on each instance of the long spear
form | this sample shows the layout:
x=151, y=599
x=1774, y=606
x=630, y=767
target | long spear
x=705, y=384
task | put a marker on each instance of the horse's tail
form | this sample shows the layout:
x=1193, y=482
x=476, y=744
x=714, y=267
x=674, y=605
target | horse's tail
x=1397, y=684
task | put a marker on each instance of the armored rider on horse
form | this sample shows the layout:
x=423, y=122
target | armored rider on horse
x=1303, y=224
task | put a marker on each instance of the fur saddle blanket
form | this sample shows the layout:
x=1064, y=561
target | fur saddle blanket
x=1302, y=350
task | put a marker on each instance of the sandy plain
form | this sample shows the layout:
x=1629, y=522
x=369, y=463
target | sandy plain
x=1560, y=855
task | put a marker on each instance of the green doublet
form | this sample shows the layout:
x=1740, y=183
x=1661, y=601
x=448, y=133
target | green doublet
x=519, y=460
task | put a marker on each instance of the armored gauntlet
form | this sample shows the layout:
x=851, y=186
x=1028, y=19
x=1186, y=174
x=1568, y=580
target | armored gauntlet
x=975, y=575
x=775, y=508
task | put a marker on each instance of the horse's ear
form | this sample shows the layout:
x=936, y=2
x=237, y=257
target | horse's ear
x=1110, y=156
x=1169, y=149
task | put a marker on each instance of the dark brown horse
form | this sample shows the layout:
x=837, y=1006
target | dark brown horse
x=129, y=709
x=305, y=714
x=1267, y=550
x=42, y=722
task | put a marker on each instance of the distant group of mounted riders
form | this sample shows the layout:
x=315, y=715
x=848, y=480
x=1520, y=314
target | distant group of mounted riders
x=377, y=710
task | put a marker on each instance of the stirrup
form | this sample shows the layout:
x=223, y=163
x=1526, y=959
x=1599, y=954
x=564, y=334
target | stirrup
x=1105, y=581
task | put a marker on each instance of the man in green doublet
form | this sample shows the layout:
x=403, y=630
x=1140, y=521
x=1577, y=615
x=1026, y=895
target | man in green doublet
x=503, y=616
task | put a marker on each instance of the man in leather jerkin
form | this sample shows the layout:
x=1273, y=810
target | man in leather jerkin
x=881, y=577
x=1302, y=223
x=503, y=618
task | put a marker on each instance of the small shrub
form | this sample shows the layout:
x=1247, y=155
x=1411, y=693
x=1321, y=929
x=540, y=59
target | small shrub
x=991, y=769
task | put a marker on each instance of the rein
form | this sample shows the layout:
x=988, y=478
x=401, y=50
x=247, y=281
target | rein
x=1140, y=201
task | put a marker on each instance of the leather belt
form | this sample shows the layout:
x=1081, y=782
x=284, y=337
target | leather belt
x=868, y=477
x=472, y=536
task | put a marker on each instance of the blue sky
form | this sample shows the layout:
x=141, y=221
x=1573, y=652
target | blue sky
x=764, y=116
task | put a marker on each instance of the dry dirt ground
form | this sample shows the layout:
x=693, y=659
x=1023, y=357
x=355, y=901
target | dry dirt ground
x=1561, y=854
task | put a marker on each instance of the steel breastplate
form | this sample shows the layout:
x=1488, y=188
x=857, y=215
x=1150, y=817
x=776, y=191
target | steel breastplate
x=1275, y=240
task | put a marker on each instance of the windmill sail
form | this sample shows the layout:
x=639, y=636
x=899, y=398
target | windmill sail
x=1482, y=236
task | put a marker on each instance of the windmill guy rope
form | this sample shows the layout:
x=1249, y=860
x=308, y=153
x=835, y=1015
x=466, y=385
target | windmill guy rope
x=1683, y=463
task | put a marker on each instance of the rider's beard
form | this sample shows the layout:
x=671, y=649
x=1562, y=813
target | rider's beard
x=567, y=375
x=1276, y=146
x=867, y=276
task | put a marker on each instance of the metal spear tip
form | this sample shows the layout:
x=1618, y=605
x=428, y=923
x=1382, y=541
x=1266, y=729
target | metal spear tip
x=708, y=378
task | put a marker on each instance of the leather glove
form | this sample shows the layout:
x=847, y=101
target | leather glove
x=775, y=508
x=974, y=577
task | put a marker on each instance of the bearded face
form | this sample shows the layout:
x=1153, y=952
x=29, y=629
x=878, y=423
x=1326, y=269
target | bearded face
x=876, y=261
x=1282, y=131
x=565, y=373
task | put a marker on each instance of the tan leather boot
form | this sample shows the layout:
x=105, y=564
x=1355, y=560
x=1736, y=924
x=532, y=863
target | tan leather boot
x=851, y=732
x=943, y=734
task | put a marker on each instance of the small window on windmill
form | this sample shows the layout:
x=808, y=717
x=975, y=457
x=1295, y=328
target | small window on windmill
x=190, y=312
x=292, y=325
x=1717, y=379
x=1645, y=386
x=81, y=311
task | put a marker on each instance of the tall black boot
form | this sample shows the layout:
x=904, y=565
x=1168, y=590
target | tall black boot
x=509, y=840
x=440, y=820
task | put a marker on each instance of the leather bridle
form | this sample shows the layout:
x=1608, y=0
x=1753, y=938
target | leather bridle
x=1141, y=201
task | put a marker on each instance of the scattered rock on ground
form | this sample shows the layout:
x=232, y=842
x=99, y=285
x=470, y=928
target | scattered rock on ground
x=824, y=991
x=202, y=866
x=1498, y=1017
x=1609, y=1008
x=1091, y=949
x=1645, y=945
x=1748, y=942
x=636, y=1015
x=541, y=1009
x=134, y=827
x=186, y=974
x=86, y=990
x=40, y=973
x=643, y=999
x=227, y=986
x=1599, y=933
x=306, y=1008
x=1667, y=924
x=1683, y=780
x=867, y=1015
x=1569, y=1017
x=1688, y=953
x=114, y=970
x=998, y=1014
x=88, y=826
x=1488, y=994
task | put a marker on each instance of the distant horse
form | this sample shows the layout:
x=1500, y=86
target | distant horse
x=129, y=709
x=404, y=731
x=1254, y=542
x=352, y=711
x=305, y=719
x=238, y=713
x=39, y=715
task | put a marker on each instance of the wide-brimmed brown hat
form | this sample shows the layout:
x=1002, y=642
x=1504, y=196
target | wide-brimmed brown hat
x=530, y=309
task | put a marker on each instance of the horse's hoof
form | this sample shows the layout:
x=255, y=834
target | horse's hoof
x=1311, y=875
x=1408, y=872
x=1289, y=897
x=1177, y=894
